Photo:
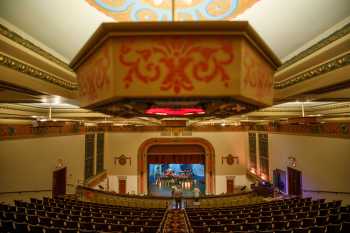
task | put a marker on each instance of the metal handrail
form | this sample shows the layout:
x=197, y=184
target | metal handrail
x=32, y=191
x=27, y=191
x=324, y=191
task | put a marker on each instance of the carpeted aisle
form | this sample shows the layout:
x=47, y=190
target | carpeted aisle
x=176, y=222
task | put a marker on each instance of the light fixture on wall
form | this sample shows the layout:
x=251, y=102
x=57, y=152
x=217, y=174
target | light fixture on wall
x=230, y=159
x=122, y=160
x=263, y=176
x=292, y=161
x=252, y=170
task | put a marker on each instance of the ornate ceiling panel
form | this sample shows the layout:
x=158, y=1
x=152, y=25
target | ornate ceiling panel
x=168, y=10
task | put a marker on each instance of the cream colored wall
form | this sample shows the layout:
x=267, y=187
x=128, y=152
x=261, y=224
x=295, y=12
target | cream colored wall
x=28, y=164
x=324, y=162
x=224, y=143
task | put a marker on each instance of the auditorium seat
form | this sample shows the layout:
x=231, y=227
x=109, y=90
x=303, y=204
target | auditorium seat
x=283, y=231
x=333, y=228
x=345, y=227
x=301, y=230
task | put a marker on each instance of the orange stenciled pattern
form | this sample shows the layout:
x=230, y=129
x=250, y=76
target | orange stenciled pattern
x=93, y=75
x=177, y=62
x=257, y=75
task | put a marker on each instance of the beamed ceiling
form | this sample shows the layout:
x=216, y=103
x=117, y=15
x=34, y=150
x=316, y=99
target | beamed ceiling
x=39, y=39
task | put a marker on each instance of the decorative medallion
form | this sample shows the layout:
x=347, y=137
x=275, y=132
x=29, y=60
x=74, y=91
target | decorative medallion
x=230, y=159
x=122, y=160
x=162, y=10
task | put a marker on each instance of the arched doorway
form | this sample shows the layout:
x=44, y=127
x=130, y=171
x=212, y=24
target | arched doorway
x=196, y=150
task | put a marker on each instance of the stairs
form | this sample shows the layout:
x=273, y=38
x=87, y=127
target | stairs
x=175, y=222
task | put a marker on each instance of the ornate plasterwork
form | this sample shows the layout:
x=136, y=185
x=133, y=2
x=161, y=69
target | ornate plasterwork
x=163, y=10
x=36, y=73
x=318, y=70
x=331, y=106
x=29, y=45
x=324, y=42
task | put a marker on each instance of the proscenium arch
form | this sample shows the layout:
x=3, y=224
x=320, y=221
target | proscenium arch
x=142, y=168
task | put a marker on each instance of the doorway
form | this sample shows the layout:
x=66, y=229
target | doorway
x=59, y=182
x=230, y=186
x=122, y=186
x=294, y=182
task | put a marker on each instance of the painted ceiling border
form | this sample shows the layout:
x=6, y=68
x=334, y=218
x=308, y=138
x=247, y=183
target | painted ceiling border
x=13, y=36
x=334, y=64
x=36, y=73
x=338, y=34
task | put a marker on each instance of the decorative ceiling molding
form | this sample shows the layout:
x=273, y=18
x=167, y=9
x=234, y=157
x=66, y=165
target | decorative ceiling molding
x=36, y=73
x=316, y=71
x=13, y=36
x=321, y=44
x=332, y=106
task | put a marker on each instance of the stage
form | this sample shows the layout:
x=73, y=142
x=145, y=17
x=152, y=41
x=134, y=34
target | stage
x=163, y=178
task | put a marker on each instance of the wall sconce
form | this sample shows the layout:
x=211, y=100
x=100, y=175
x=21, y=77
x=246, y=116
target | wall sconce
x=292, y=161
x=122, y=160
x=230, y=159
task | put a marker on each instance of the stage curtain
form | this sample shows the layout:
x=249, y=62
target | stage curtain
x=180, y=154
x=176, y=158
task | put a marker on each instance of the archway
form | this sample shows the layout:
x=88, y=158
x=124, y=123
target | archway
x=175, y=143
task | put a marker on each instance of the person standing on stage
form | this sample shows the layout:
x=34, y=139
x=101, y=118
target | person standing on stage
x=178, y=197
x=196, y=193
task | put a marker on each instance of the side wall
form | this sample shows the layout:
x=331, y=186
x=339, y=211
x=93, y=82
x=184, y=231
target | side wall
x=324, y=162
x=28, y=164
x=224, y=143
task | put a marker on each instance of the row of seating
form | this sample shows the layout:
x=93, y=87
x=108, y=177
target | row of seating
x=289, y=215
x=61, y=216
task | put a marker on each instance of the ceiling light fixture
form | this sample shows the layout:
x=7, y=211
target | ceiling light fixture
x=174, y=111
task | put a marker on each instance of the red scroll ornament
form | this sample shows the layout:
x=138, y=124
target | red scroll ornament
x=177, y=62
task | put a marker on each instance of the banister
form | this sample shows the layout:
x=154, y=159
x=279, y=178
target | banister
x=26, y=191
x=324, y=191
x=94, y=180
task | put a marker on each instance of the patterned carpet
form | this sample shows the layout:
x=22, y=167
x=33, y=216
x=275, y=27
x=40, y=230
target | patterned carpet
x=176, y=222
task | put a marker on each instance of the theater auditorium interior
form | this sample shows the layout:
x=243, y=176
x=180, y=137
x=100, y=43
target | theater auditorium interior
x=182, y=116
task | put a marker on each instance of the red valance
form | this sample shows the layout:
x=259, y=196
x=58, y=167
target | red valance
x=180, y=154
x=176, y=158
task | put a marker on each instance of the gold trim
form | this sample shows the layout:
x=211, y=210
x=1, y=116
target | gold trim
x=29, y=45
x=319, y=70
x=36, y=73
x=322, y=43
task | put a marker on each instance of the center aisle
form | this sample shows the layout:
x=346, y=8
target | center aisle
x=175, y=222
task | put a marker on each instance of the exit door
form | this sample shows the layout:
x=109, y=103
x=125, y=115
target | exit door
x=230, y=186
x=122, y=186
x=59, y=182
